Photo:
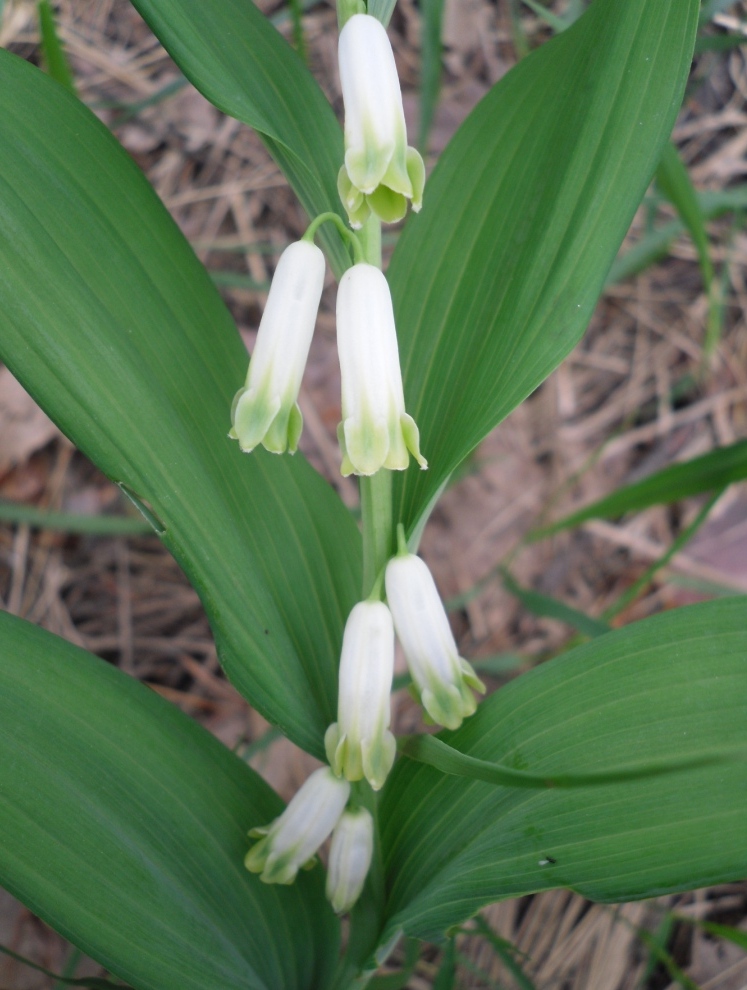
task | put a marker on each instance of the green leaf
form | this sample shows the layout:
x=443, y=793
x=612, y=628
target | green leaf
x=111, y=323
x=655, y=244
x=712, y=7
x=54, y=54
x=430, y=67
x=507, y=952
x=234, y=56
x=124, y=827
x=446, y=976
x=718, y=43
x=735, y=935
x=674, y=181
x=495, y=281
x=95, y=525
x=683, y=538
x=711, y=472
x=382, y=9
x=548, y=607
x=557, y=24
x=659, y=954
x=91, y=982
x=673, y=687
x=436, y=753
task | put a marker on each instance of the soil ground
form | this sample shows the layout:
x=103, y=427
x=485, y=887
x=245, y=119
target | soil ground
x=637, y=394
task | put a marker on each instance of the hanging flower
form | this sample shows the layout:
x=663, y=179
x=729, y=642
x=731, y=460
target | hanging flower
x=375, y=431
x=290, y=842
x=266, y=409
x=441, y=677
x=359, y=744
x=350, y=856
x=381, y=173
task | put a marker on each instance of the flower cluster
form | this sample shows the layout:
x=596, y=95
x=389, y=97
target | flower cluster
x=379, y=176
x=360, y=744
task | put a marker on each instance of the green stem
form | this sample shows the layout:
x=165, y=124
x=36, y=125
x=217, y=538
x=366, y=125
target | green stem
x=370, y=238
x=378, y=544
x=376, y=511
x=376, y=491
x=345, y=232
x=346, y=9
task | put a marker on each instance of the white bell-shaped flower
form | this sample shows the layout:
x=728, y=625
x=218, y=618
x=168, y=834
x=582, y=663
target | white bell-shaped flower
x=290, y=842
x=375, y=431
x=359, y=744
x=381, y=173
x=266, y=409
x=350, y=854
x=442, y=678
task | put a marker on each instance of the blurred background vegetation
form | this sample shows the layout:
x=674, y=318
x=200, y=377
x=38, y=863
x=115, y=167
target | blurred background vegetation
x=611, y=494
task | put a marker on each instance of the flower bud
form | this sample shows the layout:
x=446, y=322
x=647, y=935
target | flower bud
x=375, y=431
x=359, y=744
x=266, y=409
x=381, y=173
x=290, y=842
x=350, y=856
x=442, y=678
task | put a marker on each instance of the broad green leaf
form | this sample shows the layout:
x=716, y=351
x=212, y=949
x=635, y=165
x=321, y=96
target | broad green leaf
x=124, y=826
x=673, y=687
x=235, y=57
x=111, y=323
x=712, y=471
x=495, y=281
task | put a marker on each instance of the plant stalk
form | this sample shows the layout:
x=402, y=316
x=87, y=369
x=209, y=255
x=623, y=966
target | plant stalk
x=375, y=491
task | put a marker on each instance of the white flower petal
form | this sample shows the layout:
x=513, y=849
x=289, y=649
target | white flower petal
x=442, y=678
x=350, y=856
x=378, y=162
x=293, y=838
x=359, y=744
x=376, y=431
x=266, y=410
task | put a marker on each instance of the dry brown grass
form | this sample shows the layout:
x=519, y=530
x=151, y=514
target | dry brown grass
x=607, y=416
